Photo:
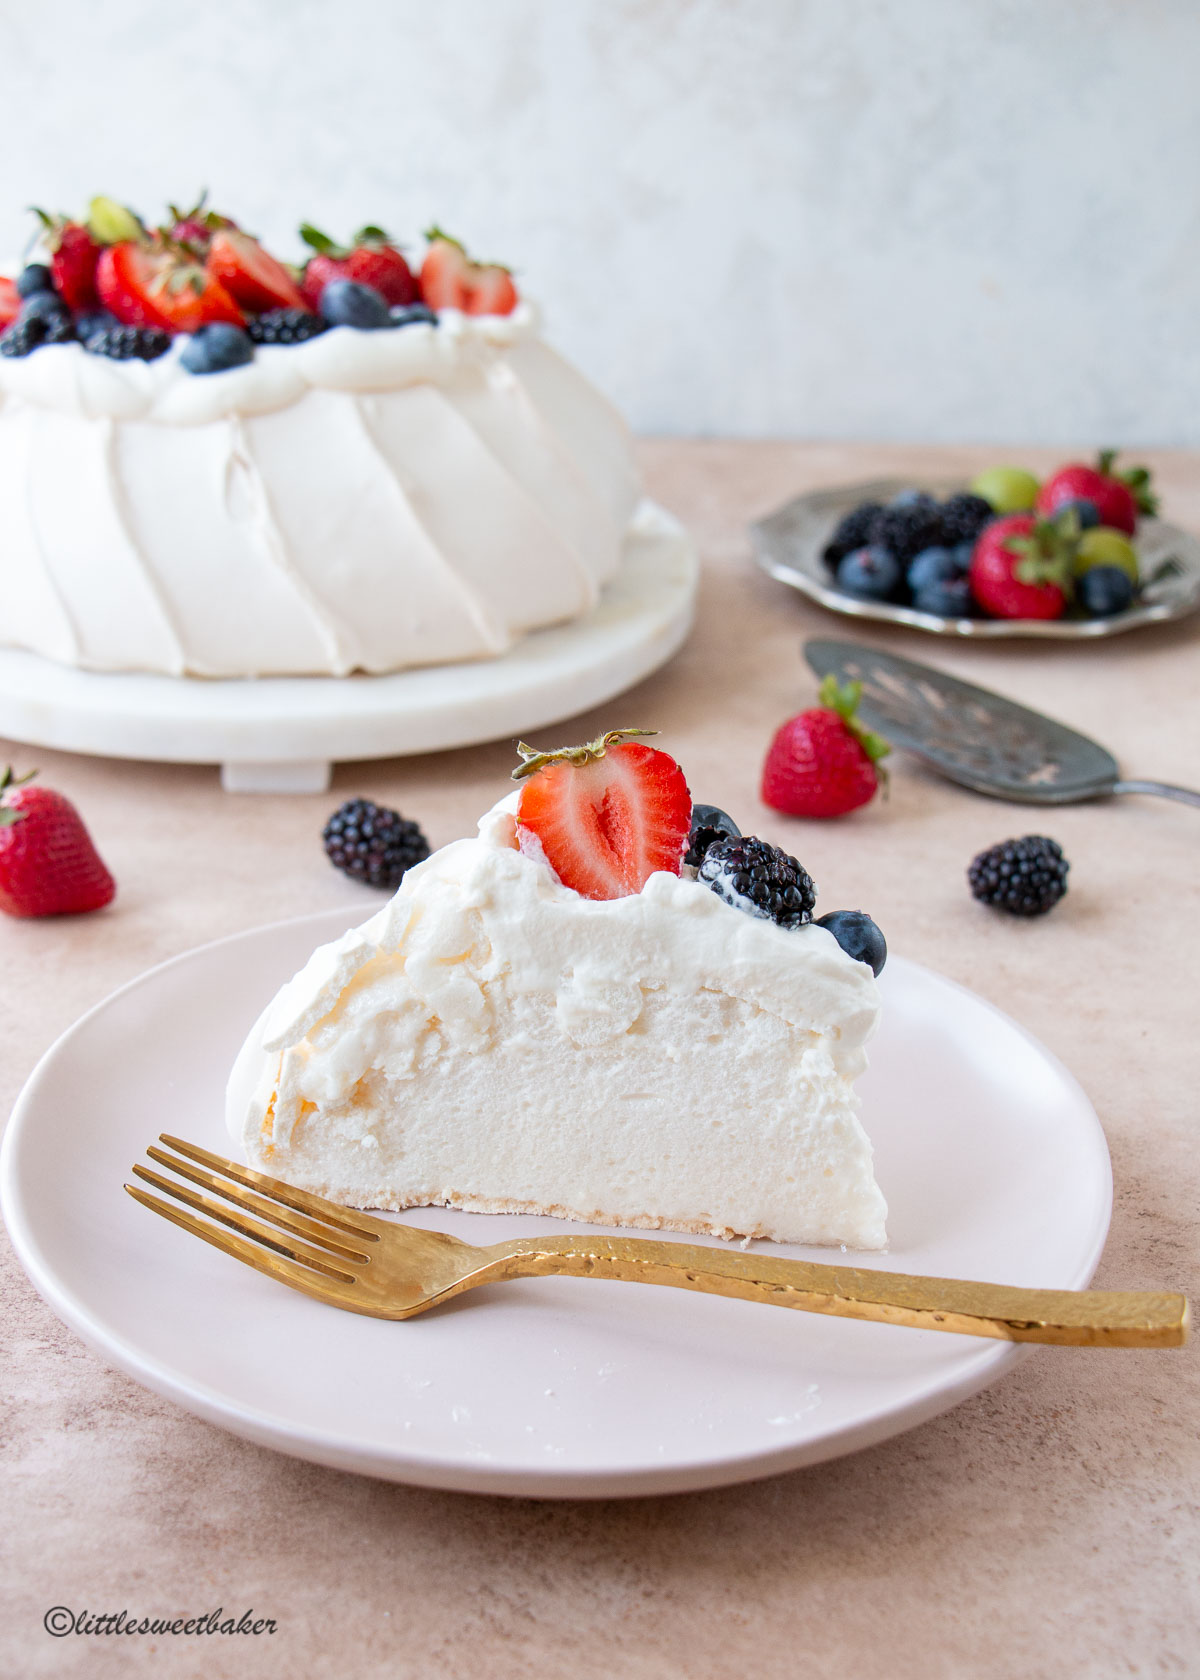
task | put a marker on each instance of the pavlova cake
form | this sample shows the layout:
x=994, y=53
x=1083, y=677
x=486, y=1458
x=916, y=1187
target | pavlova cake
x=609, y=1006
x=214, y=464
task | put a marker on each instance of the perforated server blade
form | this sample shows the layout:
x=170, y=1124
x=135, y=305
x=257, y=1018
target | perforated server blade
x=976, y=737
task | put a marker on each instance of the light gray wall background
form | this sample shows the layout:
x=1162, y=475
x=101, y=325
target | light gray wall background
x=882, y=219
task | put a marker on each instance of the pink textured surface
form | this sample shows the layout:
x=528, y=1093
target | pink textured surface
x=1047, y=1527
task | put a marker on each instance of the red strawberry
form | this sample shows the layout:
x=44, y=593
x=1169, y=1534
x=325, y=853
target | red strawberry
x=160, y=286
x=1118, y=497
x=450, y=279
x=195, y=227
x=48, y=865
x=444, y=273
x=10, y=302
x=371, y=259
x=74, y=254
x=823, y=763
x=251, y=275
x=375, y=261
x=606, y=816
x=73, y=267
x=1022, y=567
x=492, y=291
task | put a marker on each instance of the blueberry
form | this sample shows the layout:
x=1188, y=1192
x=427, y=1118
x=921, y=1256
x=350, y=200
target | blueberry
x=912, y=498
x=413, y=314
x=962, y=553
x=35, y=277
x=1087, y=512
x=933, y=565
x=1105, y=590
x=43, y=306
x=858, y=936
x=709, y=824
x=217, y=347
x=346, y=303
x=870, y=573
x=945, y=598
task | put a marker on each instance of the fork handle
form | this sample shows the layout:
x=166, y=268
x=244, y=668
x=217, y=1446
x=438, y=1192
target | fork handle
x=1165, y=790
x=1068, y=1318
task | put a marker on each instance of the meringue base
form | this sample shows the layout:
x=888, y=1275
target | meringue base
x=493, y=1041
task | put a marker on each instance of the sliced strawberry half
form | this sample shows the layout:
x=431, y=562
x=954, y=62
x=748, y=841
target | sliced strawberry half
x=492, y=291
x=444, y=273
x=10, y=302
x=157, y=286
x=450, y=279
x=605, y=816
x=251, y=276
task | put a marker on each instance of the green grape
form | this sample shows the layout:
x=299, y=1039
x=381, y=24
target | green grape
x=1009, y=489
x=1105, y=547
x=110, y=223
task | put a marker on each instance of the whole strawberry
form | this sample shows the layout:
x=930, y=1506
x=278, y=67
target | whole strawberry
x=824, y=763
x=1022, y=567
x=1118, y=497
x=48, y=865
x=370, y=259
x=74, y=253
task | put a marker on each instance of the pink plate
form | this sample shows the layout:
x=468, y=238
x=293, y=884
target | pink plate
x=991, y=1158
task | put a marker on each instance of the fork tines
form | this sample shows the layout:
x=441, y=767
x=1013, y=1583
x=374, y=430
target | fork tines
x=336, y=1243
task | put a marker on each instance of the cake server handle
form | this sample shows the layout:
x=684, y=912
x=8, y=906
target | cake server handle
x=1065, y=1317
x=1165, y=790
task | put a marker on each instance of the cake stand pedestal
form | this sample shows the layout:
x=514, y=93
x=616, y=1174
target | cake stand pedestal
x=284, y=734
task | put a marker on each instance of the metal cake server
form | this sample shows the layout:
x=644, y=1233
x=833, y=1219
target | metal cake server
x=976, y=737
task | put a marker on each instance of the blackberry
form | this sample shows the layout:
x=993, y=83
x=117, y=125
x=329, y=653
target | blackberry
x=93, y=321
x=905, y=530
x=60, y=329
x=23, y=338
x=127, y=344
x=851, y=532
x=44, y=306
x=285, y=326
x=964, y=516
x=759, y=878
x=1024, y=877
x=373, y=844
x=709, y=824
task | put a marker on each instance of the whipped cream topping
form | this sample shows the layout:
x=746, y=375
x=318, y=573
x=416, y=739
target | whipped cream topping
x=69, y=379
x=494, y=1039
x=486, y=901
x=365, y=501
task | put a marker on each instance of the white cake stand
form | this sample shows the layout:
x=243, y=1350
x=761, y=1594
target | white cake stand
x=283, y=734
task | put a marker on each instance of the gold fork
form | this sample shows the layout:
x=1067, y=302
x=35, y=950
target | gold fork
x=367, y=1265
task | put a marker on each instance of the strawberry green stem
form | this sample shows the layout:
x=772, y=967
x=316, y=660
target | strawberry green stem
x=843, y=698
x=532, y=760
x=9, y=816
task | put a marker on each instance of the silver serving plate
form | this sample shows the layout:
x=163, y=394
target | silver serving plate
x=788, y=545
x=975, y=737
